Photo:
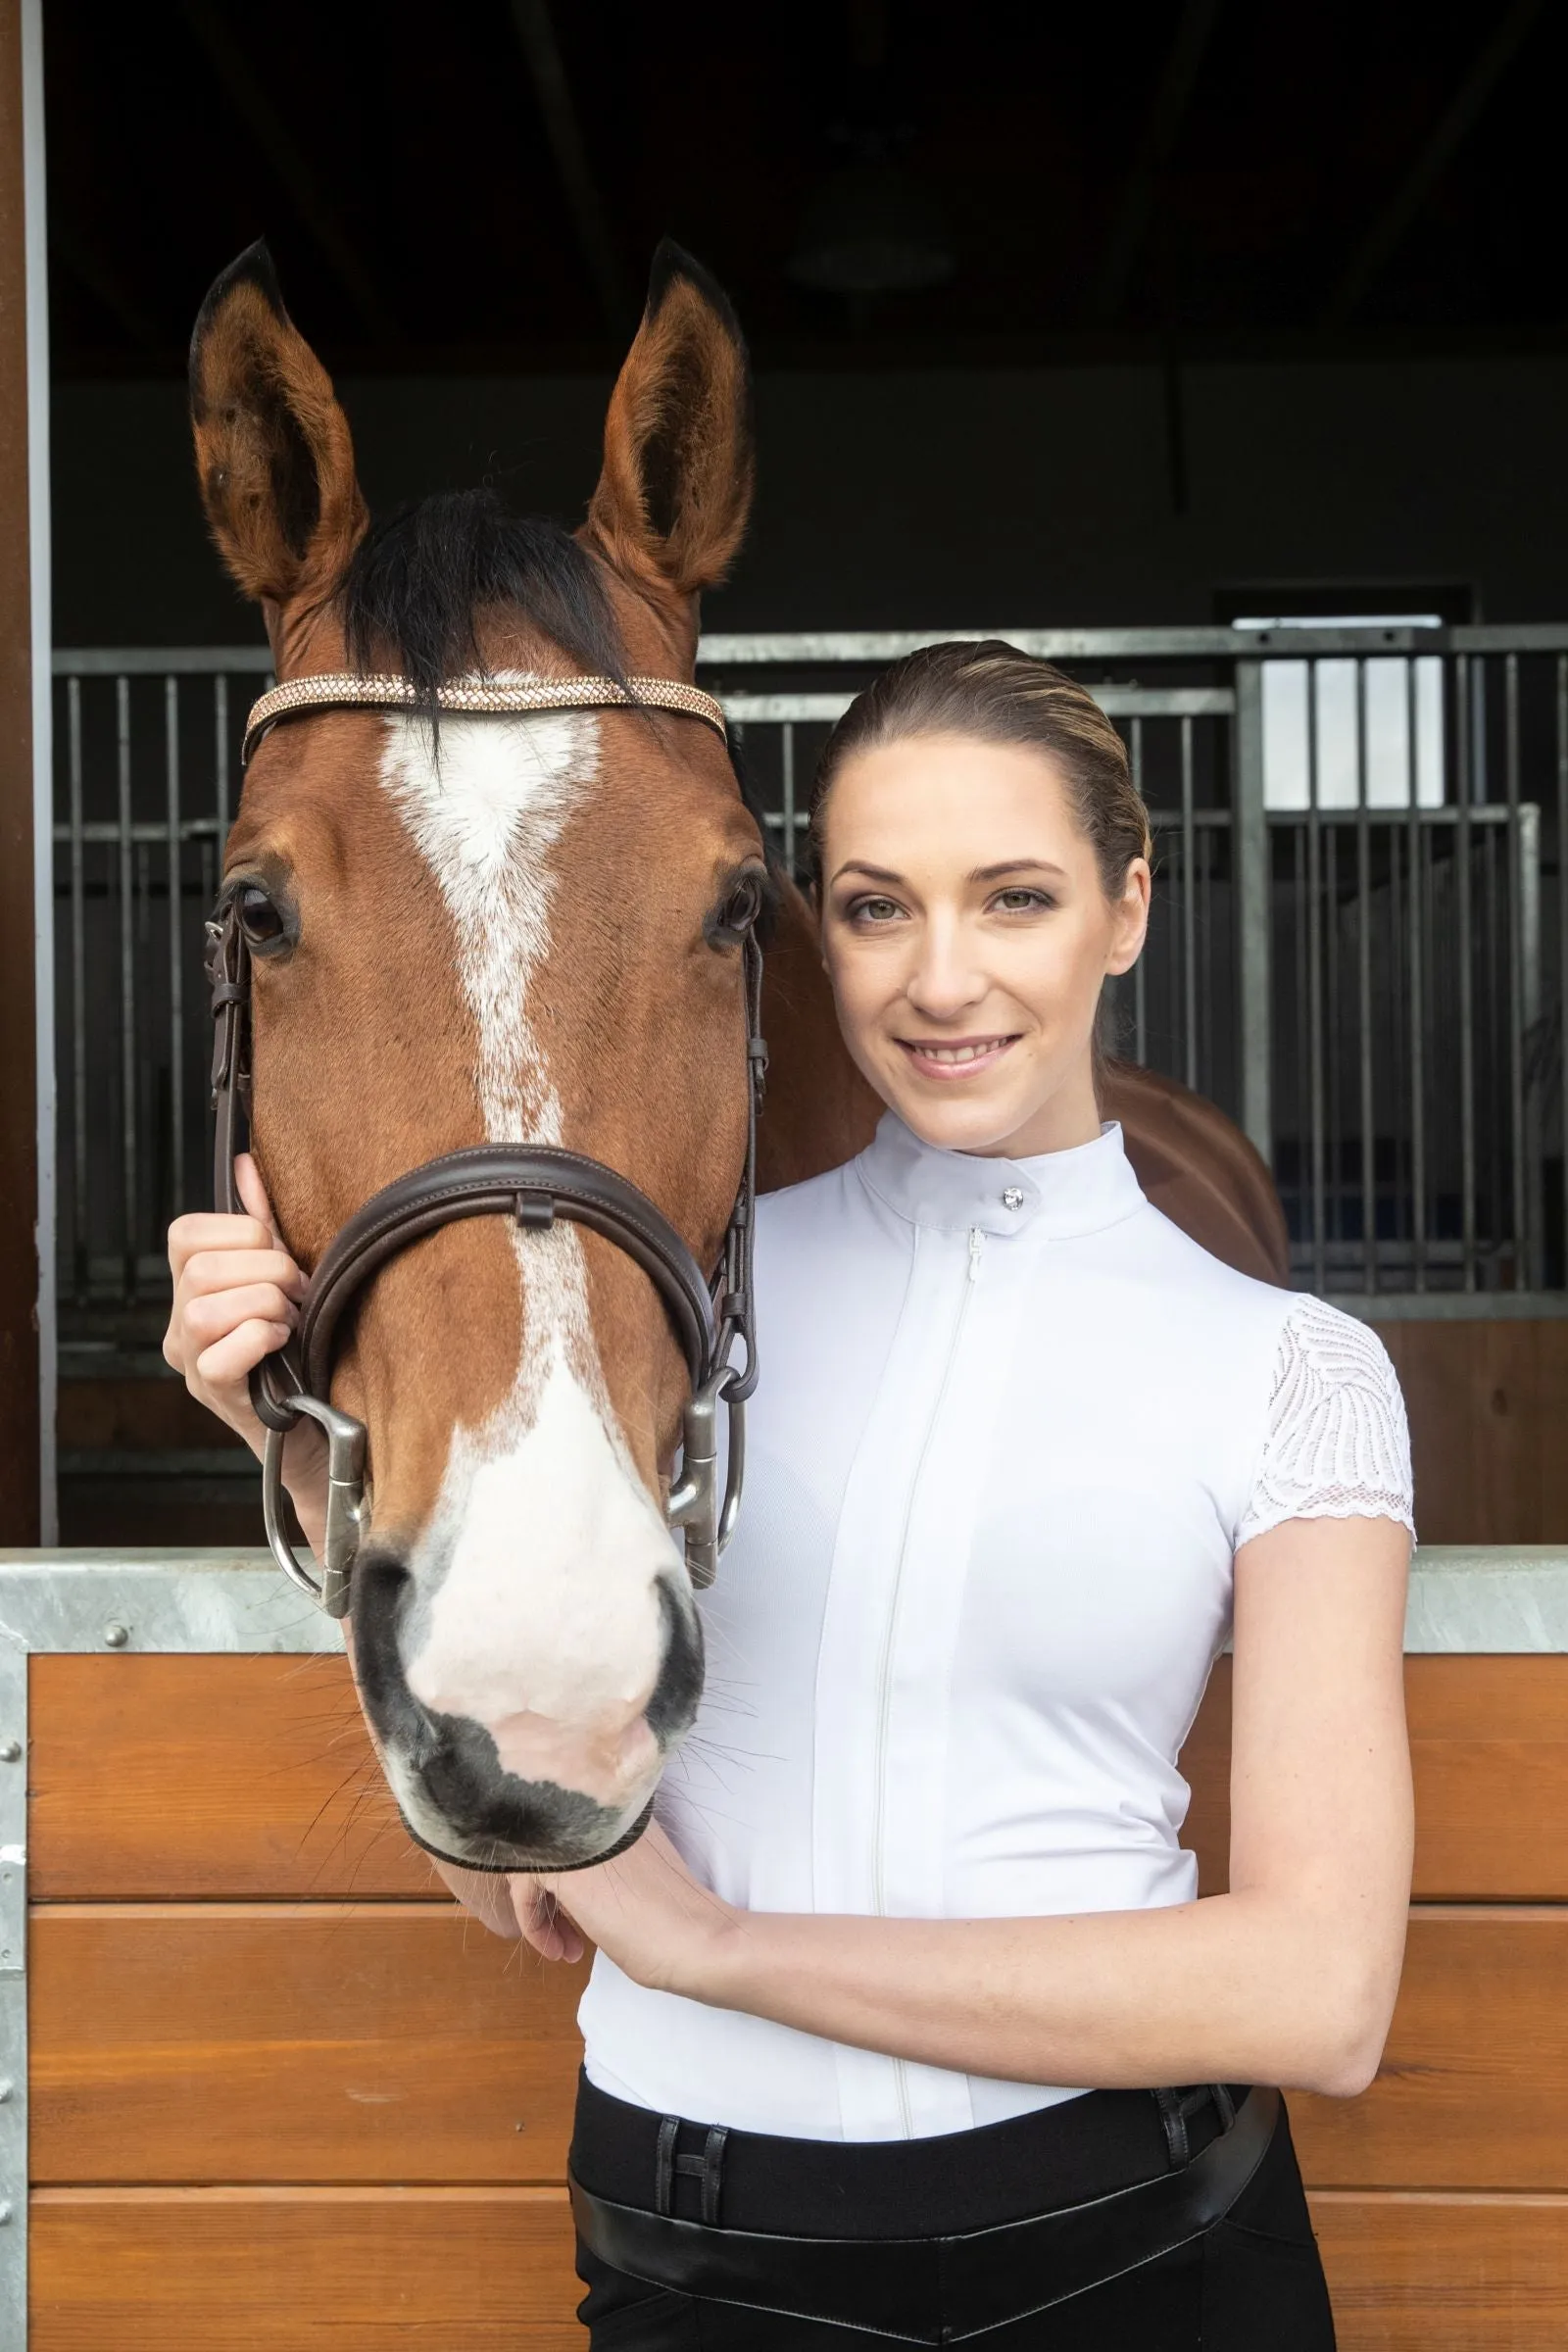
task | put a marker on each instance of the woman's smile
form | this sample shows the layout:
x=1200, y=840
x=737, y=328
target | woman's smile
x=948, y=1058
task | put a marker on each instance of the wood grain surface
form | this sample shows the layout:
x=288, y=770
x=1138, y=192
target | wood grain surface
x=1454, y=2274
x=399, y=2042
x=490, y=2270
x=1487, y=1403
x=229, y=1777
x=330, y=2042
x=1473, y=2088
x=288, y=2269
x=1489, y=1747
x=240, y=1776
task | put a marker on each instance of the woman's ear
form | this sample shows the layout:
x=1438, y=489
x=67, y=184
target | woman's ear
x=273, y=453
x=1130, y=926
x=672, y=500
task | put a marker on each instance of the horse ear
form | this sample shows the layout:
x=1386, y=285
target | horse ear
x=673, y=500
x=274, y=454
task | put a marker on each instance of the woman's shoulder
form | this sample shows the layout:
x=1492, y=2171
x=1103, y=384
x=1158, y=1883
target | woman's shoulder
x=1337, y=1443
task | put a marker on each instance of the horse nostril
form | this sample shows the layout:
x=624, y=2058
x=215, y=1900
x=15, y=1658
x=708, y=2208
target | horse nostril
x=673, y=1703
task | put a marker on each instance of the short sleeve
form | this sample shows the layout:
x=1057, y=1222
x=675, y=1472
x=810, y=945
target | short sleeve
x=1338, y=1445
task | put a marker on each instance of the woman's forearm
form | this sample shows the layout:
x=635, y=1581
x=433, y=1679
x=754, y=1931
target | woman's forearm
x=1239, y=1988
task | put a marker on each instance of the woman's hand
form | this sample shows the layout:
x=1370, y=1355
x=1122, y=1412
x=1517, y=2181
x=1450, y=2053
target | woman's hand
x=236, y=1298
x=644, y=1910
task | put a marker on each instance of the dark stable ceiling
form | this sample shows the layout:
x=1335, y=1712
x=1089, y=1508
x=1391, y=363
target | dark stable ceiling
x=460, y=185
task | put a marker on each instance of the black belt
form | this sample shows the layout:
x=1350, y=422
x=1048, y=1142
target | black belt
x=937, y=2290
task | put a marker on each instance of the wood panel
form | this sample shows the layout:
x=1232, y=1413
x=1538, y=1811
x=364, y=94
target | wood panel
x=240, y=1776
x=1489, y=1747
x=490, y=2270
x=1487, y=1403
x=1473, y=2088
x=225, y=2042
x=285, y=2269
x=230, y=1777
x=1454, y=2274
x=399, y=2042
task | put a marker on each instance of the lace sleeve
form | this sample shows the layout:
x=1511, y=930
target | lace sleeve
x=1338, y=1443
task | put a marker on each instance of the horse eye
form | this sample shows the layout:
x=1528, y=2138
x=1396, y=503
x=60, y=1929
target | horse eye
x=737, y=913
x=259, y=919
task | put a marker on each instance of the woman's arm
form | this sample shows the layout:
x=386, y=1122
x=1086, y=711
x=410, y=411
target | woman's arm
x=1289, y=1978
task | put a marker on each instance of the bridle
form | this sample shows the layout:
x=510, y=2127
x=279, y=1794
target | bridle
x=533, y=1184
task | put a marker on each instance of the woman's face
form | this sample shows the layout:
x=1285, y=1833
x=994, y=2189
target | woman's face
x=967, y=935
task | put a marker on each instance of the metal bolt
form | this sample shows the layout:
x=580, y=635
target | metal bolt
x=5, y=2211
x=11, y=1754
x=6, y=2090
x=116, y=1635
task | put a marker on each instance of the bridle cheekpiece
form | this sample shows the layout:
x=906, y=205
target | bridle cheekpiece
x=533, y=1184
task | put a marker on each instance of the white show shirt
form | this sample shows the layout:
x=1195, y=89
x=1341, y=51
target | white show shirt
x=1011, y=1427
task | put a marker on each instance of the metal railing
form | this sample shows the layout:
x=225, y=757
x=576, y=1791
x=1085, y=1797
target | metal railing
x=1357, y=945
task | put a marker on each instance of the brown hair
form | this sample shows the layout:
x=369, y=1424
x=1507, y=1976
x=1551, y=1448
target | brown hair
x=995, y=694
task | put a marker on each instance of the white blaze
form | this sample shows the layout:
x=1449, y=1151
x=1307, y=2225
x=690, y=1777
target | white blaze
x=536, y=1611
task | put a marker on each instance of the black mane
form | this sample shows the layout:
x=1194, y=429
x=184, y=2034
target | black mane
x=419, y=581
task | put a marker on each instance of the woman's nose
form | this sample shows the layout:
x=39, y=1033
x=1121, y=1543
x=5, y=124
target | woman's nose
x=945, y=982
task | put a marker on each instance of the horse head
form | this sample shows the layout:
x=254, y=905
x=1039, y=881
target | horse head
x=497, y=929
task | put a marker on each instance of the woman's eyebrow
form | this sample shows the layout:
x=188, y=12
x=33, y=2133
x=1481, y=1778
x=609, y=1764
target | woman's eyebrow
x=873, y=873
x=1016, y=866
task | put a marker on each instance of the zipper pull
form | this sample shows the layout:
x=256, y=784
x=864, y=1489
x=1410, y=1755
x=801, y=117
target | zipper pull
x=977, y=1242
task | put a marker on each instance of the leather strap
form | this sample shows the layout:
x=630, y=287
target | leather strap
x=533, y=1183
x=349, y=690
x=937, y=2290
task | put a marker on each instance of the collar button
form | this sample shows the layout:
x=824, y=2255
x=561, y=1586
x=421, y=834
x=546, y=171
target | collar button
x=1013, y=1198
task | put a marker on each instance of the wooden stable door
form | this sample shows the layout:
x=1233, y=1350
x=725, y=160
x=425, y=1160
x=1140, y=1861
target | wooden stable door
x=284, y=2095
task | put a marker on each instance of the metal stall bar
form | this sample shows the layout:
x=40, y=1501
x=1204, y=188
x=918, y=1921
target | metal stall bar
x=1562, y=734
x=1531, y=1274
x=1515, y=896
x=1314, y=986
x=785, y=761
x=221, y=756
x=1189, y=913
x=79, y=994
x=176, y=954
x=1416, y=904
x=1467, y=1049
x=1251, y=866
x=1134, y=754
x=1363, y=989
x=127, y=993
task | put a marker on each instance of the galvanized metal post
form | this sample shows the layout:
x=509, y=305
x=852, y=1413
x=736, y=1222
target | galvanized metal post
x=1251, y=866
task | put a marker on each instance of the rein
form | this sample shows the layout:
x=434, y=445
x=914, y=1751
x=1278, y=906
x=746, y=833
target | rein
x=533, y=1184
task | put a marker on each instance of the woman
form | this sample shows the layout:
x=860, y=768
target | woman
x=905, y=2022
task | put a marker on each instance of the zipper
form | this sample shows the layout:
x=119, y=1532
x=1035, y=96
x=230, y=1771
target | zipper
x=977, y=1243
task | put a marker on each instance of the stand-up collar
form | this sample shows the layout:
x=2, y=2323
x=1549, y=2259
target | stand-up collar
x=1056, y=1193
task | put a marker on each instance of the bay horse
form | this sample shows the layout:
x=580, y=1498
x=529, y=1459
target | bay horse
x=514, y=928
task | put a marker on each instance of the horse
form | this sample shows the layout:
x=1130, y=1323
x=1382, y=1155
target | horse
x=481, y=930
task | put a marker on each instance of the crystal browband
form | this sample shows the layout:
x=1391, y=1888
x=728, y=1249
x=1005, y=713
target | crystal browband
x=344, y=690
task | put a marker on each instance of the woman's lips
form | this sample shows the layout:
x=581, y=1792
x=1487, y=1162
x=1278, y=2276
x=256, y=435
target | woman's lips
x=950, y=1058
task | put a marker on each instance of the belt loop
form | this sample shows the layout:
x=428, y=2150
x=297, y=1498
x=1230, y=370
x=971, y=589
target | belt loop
x=712, y=2174
x=1169, y=2103
x=664, y=2165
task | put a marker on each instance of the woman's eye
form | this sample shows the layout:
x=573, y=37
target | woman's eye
x=259, y=919
x=1021, y=902
x=874, y=911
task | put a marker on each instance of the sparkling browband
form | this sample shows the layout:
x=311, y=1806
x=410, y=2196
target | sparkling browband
x=342, y=690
